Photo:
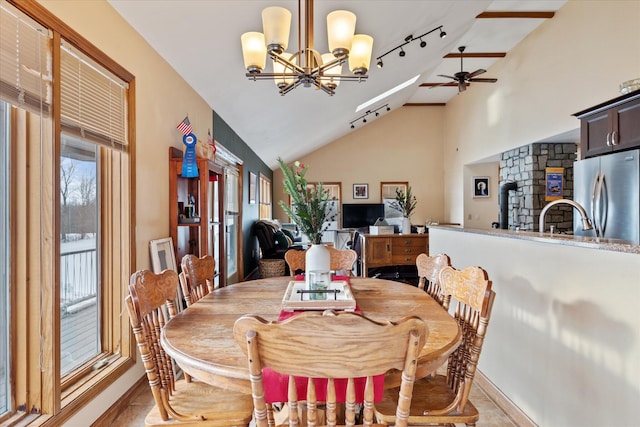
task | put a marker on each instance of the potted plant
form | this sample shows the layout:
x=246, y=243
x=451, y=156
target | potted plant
x=308, y=210
x=405, y=203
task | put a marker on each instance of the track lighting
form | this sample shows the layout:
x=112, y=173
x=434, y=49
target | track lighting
x=364, y=116
x=408, y=40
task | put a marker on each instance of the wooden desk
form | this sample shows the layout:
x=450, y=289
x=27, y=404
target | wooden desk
x=391, y=249
x=200, y=339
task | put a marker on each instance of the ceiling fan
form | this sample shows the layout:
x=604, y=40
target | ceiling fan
x=463, y=77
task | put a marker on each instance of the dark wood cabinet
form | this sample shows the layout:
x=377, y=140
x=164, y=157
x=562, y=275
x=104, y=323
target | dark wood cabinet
x=611, y=126
x=391, y=250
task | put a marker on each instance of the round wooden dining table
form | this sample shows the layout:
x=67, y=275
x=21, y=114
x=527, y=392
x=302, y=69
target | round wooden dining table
x=200, y=338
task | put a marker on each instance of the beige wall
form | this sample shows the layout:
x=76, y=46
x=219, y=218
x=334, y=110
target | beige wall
x=402, y=145
x=162, y=100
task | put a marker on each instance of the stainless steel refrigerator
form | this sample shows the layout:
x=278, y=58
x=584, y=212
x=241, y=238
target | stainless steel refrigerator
x=608, y=187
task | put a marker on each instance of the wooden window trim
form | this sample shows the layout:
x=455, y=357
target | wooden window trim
x=45, y=390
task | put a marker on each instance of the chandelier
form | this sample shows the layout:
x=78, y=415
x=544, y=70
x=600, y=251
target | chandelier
x=306, y=67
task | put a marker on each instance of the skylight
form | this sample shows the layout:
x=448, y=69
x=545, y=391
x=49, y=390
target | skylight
x=387, y=93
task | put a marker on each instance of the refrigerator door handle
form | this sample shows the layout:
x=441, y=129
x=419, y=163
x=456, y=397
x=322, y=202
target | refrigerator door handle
x=603, y=204
x=595, y=197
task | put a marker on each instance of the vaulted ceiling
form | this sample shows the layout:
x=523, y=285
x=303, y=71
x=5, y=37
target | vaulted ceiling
x=201, y=41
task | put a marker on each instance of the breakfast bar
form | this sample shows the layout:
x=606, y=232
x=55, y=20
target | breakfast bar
x=567, y=320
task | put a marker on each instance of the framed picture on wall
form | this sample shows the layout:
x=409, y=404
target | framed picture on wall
x=480, y=186
x=360, y=191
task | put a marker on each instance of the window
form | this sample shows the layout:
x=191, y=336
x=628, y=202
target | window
x=69, y=239
x=265, y=198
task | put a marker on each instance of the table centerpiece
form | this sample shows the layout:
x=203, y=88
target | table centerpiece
x=308, y=210
x=405, y=203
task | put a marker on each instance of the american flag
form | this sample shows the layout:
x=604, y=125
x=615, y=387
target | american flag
x=185, y=126
x=210, y=141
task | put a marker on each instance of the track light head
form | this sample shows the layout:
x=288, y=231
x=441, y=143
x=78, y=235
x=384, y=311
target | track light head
x=442, y=33
x=408, y=38
x=364, y=120
x=388, y=108
x=402, y=53
x=352, y=126
x=377, y=114
x=423, y=43
x=380, y=64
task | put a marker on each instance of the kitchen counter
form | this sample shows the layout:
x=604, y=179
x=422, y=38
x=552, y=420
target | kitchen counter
x=615, y=245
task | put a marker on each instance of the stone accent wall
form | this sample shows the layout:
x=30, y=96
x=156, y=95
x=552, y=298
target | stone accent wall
x=526, y=166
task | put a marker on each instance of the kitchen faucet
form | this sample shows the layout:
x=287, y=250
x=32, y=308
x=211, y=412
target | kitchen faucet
x=586, y=222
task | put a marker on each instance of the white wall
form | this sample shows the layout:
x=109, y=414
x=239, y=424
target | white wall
x=573, y=61
x=563, y=342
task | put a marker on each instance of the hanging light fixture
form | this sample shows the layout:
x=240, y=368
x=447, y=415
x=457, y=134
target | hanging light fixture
x=306, y=66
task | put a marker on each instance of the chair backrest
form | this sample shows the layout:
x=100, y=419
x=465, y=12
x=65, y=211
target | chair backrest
x=331, y=345
x=471, y=290
x=342, y=260
x=295, y=261
x=429, y=268
x=150, y=297
x=338, y=260
x=199, y=274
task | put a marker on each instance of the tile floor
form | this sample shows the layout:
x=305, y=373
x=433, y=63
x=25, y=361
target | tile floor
x=490, y=414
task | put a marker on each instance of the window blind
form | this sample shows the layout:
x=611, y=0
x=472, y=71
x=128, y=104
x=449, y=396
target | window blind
x=93, y=101
x=25, y=61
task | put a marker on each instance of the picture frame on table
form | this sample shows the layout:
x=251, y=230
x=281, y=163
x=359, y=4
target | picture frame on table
x=481, y=187
x=360, y=191
x=162, y=255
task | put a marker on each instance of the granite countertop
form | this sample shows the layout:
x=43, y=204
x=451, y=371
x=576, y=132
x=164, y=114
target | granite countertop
x=616, y=245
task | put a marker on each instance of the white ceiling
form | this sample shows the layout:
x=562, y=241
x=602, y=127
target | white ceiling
x=201, y=41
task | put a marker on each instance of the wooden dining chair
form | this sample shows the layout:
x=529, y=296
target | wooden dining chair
x=444, y=399
x=339, y=260
x=342, y=260
x=151, y=297
x=429, y=268
x=324, y=346
x=295, y=261
x=198, y=277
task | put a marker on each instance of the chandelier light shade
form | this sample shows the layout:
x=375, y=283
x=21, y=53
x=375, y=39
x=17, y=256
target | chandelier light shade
x=341, y=26
x=254, y=51
x=360, y=56
x=306, y=66
x=276, y=24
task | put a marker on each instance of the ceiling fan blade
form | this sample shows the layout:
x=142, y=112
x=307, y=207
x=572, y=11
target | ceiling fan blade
x=476, y=73
x=461, y=86
x=449, y=77
x=431, y=86
x=481, y=80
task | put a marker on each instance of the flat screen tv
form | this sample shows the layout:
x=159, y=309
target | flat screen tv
x=358, y=215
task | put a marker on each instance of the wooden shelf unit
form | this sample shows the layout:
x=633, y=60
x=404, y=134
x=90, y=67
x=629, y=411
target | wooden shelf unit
x=188, y=238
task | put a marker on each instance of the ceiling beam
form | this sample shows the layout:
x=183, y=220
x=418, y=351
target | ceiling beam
x=476, y=55
x=424, y=104
x=536, y=15
x=452, y=84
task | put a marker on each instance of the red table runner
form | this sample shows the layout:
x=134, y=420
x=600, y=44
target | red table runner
x=275, y=384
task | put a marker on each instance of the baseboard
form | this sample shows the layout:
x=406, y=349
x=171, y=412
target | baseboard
x=502, y=401
x=107, y=418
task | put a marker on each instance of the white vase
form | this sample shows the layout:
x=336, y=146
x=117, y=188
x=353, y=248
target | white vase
x=406, y=225
x=316, y=259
